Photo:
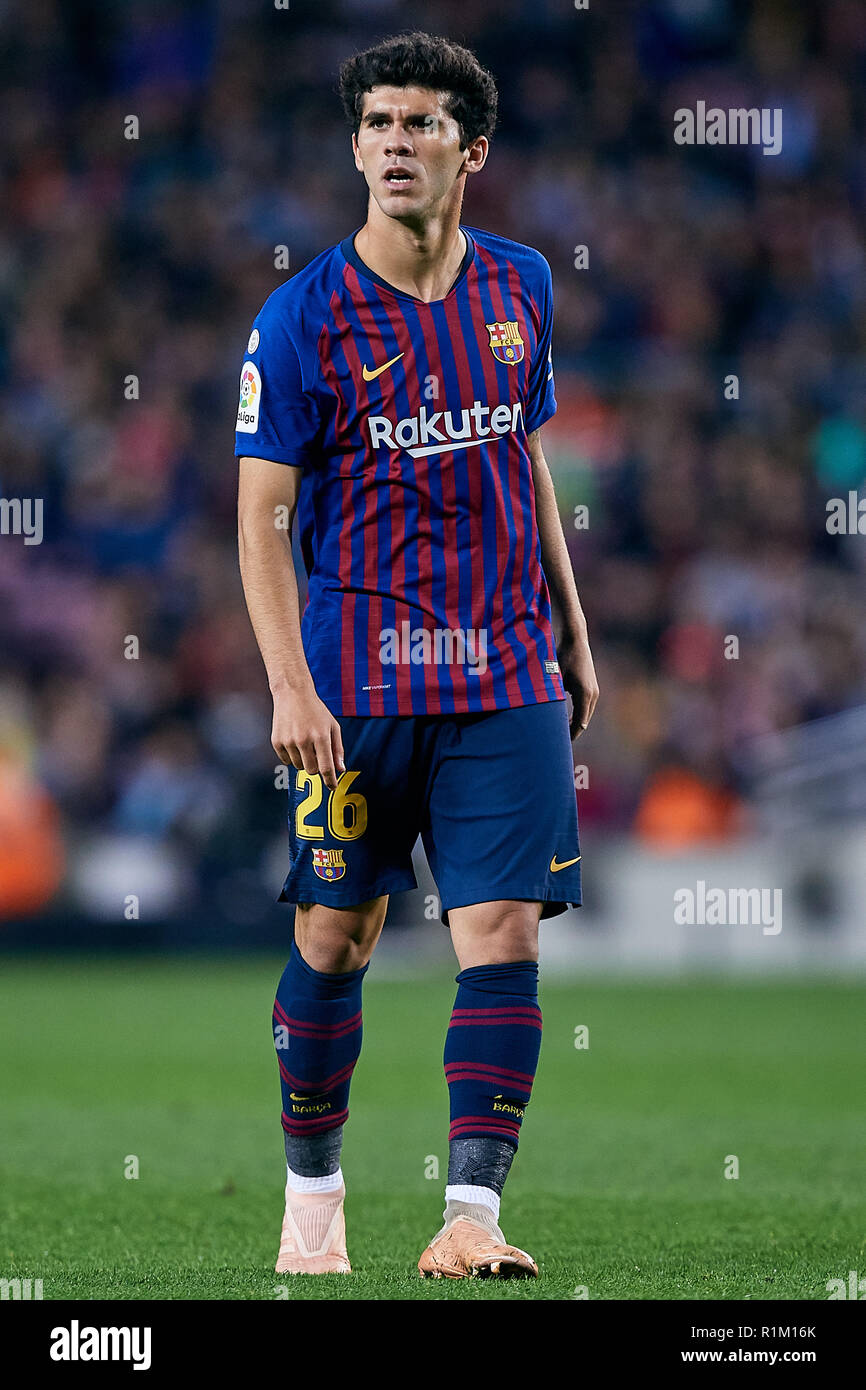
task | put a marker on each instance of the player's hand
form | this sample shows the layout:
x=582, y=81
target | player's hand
x=307, y=735
x=578, y=677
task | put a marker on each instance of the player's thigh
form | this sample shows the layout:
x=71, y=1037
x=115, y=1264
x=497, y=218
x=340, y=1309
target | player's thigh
x=336, y=940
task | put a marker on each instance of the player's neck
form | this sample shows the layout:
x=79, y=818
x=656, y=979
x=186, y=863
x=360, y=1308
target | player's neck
x=422, y=260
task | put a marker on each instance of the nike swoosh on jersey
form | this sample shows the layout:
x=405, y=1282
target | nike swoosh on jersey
x=369, y=375
x=555, y=868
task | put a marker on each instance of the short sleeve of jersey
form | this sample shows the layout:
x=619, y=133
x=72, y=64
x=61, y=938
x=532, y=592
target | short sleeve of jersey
x=278, y=415
x=541, y=400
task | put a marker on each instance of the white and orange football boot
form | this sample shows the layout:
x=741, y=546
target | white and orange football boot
x=313, y=1239
x=471, y=1245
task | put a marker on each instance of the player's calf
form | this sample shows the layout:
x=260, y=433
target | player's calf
x=317, y=1034
x=491, y=1056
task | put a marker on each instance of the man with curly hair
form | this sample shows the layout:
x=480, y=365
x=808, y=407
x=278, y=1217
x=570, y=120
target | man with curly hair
x=392, y=395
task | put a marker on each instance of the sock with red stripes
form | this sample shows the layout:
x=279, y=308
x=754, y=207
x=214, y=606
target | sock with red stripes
x=491, y=1056
x=317, y=1035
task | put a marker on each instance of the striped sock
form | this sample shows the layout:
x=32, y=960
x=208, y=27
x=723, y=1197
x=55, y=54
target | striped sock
x=491, y=1056
x=317, y=1035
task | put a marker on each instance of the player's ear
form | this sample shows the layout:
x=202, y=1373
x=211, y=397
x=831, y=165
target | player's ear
x=359, y=163
x=476, y=155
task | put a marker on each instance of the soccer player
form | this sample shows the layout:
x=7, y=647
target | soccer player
x=393, y=395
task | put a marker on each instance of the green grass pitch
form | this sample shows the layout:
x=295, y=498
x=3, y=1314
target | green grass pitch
x=618, y=1187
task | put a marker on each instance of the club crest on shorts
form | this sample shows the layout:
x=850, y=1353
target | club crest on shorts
x=506, y=343
x=329, y=864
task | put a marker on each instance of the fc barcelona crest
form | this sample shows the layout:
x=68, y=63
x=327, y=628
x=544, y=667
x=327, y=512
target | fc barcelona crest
x=329, y=864
x=506, y=343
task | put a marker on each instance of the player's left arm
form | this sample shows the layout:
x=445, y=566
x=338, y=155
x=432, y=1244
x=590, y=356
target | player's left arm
x=572, y=649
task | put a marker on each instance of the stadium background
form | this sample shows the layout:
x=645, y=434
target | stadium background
x=707, y=516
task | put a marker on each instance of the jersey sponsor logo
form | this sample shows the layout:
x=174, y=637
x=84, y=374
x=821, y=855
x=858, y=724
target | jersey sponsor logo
x=329, y=864
x=506, y=343
x=251, y=398
x=437, y=431
x=555, y=868
x=370, y=373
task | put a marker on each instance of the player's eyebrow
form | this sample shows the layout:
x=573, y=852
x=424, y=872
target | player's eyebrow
x=386, y=116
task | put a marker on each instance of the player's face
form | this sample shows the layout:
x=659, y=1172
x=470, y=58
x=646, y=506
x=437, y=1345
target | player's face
x=408, y=149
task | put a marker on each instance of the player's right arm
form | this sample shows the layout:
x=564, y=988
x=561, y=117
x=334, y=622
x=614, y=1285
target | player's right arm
x=304, y=731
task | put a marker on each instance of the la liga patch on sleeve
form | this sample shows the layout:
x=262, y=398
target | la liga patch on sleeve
x=251, y=395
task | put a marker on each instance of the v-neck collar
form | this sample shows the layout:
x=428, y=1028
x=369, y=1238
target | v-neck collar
x=347, y=246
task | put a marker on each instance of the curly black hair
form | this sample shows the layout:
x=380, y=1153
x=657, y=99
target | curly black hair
x=424, y=60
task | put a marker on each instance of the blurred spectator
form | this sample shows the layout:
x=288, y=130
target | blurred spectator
x=680, y=810
x=31, y=850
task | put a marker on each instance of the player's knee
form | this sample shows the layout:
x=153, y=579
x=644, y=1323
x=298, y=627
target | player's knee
x=338, y=940
x=495, y=933
x=516, y=940
x=520, y=916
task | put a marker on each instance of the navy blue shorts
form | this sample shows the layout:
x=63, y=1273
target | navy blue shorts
x=491, y=795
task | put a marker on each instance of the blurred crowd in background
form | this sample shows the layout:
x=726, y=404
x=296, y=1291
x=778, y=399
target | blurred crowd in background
x=149, y=257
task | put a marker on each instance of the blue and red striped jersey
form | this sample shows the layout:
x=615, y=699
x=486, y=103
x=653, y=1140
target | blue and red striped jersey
x=416, y=511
